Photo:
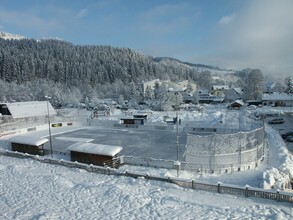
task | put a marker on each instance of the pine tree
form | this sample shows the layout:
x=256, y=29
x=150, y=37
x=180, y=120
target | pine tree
x=289, y=84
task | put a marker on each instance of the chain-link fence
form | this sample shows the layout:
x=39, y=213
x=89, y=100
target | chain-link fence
x=225, y=152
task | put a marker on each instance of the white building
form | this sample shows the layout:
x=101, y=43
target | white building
x=182, y=85
x=277, y=99
x=205, y=97
x=27, y=109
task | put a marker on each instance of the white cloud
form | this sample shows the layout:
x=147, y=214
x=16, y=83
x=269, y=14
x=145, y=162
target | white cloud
x=41, y=20
x=227, y=19
x=82, y=13
x=167, y=18
x=27, y=20
x=260, y=36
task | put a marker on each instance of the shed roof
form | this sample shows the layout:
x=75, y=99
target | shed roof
x=29, y=109
x=100, y=149
x=131, y=118
x=140, y=114
x=34, y=141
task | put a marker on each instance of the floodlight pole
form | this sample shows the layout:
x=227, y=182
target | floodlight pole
x=177, y=163
x=49, y=125
x=177, y=129
x=177, y=132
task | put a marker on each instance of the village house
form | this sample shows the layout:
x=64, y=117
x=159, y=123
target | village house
x=276, y=99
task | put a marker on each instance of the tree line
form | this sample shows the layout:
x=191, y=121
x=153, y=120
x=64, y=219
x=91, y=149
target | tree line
x=70, y=74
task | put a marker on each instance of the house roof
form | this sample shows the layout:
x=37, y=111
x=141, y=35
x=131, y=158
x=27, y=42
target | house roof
x=34, y=141
x=238, y=90
x=238, y=102
x=277, y=96
x=29, y=109
x=100, y=149
x=220, y=87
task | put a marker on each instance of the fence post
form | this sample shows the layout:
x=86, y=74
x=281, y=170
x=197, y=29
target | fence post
x=91, y=166
x=246, y=191
x=219, y=185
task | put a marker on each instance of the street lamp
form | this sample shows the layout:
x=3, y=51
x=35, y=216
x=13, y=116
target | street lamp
x=177, y=162
x=50, y=139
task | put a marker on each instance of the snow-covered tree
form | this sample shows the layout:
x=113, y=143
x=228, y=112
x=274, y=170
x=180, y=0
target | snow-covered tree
x=120, y=100
x=205, y=79
x=254, y=85
x=148, y=93
x=289, y=84
x=189, y=88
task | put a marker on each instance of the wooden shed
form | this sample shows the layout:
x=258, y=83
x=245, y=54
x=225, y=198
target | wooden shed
x=132, y=121
x=236, y=105
x=90, y=153
x=27, y=144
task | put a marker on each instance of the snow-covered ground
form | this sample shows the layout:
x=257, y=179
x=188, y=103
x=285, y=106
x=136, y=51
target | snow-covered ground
x=33, y=190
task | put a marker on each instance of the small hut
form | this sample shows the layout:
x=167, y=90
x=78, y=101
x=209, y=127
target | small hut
x=236, y=105
x=27, y=144
x=132, y=121
x=91, y=153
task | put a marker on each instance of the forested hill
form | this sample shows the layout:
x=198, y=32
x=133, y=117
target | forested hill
x=62, y=62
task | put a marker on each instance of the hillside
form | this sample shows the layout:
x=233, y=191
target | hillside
x=65, y=71
x=25, y=59
x=197, y=67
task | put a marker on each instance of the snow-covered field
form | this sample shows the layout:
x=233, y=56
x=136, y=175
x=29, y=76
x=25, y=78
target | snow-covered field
x=33, y=190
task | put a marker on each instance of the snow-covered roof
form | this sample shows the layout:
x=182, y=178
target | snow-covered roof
x=100, y=149
x=238, y=90
x=29, y=140
x=240, y=102
x=29, y=109
x=277, y=96
x=220, y=87
x=270, y=85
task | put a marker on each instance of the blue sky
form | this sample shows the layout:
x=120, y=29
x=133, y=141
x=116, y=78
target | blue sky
x=227, y=33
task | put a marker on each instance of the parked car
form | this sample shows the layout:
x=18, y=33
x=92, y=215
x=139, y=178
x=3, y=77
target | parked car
x=289, y=138
x=277, y=121
x=289, y=133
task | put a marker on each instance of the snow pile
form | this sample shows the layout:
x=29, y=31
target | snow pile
x=280, y=169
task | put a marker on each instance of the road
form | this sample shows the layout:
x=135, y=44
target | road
x=283, y=128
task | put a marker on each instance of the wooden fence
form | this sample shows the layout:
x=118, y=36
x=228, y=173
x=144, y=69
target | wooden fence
x=279, y=196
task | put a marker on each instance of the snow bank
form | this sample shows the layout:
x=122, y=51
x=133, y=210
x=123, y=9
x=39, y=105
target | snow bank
x=280, y=164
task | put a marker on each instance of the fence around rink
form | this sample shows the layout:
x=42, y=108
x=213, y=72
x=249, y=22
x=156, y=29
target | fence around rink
x=279, y=196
